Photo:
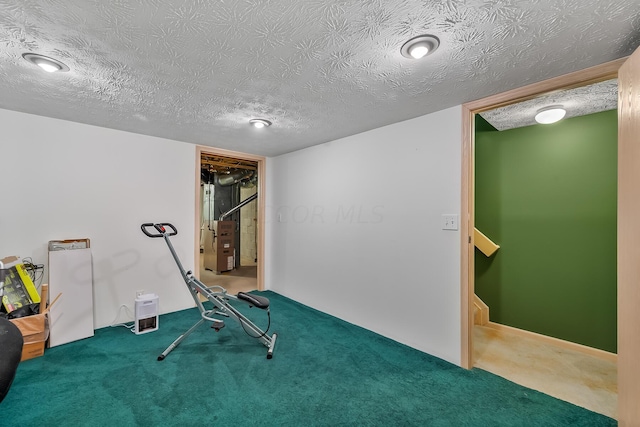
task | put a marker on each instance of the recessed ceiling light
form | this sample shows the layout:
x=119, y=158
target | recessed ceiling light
x=550, y=115
x=260, y=123
x=49, y=65
x=419, y=47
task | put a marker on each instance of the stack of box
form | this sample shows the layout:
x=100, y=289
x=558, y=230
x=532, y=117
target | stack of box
x=35, y=328
x=219, y=251
x=20, y=295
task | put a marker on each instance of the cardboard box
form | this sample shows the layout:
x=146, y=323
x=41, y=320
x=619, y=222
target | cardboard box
x=32, y=350
x=35, y=329
x=64, y=245
x=10, y=261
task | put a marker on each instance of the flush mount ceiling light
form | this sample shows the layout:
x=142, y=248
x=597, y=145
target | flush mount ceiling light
x=550, y=115
x=419, y=47
x=49, y=65
x=260, y=123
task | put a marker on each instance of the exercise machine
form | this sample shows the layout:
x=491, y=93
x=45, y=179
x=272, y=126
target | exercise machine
x=217, y=295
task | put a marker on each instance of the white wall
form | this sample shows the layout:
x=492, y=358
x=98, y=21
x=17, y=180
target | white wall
x=64, y=180
x=359, y=234
x=354, y=230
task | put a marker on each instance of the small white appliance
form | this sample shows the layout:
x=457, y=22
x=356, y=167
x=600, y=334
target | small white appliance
x=146, y=314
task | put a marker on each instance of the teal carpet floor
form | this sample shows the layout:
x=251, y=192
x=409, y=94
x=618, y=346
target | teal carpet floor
x=325, y=372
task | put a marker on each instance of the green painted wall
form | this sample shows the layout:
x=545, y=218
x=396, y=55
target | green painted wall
x=547, y=195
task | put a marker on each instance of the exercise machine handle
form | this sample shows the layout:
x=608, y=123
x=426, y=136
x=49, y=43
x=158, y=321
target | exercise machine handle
x=160, y=228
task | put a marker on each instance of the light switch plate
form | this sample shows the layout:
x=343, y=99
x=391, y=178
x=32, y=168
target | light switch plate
x=449, y=222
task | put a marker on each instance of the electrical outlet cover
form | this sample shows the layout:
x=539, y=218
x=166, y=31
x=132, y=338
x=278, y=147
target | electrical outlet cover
x=449, y=222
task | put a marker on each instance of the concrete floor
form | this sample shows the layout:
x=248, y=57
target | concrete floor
x=242, y=279
x=584, y=380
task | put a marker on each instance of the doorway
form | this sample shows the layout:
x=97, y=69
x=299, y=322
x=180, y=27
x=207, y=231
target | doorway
x=600, y=73
x=596, y=74
x=229, y=232
x=547, y=195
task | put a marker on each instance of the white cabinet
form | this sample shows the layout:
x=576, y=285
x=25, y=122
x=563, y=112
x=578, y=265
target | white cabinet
x=71, y=274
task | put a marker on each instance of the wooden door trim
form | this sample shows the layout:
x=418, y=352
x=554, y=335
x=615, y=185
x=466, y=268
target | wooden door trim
x=628, y=249
x=261, y=160
x=606, y=71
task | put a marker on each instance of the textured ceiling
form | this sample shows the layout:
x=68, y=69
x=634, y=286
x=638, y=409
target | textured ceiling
x=577, y=102
x=198, y=70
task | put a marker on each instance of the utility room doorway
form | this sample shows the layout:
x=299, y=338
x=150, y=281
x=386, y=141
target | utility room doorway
x=229, y=233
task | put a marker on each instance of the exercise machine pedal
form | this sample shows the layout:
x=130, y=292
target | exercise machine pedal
x=217, y=325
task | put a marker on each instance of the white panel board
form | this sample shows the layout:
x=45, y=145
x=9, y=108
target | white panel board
x=70, y=274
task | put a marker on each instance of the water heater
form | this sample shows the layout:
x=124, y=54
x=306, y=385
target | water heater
x=146, y=314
